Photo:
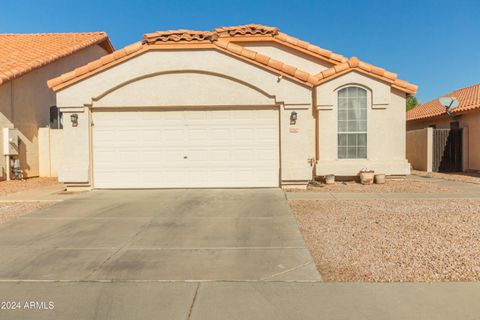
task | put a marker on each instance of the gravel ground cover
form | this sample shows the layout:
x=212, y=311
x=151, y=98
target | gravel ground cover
x=12, y=186
x=392, y=240
x=11, y=210
x=459, y=176
x=389, y=186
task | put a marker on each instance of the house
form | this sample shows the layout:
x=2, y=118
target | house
x=27, y=61
x=242, y=106
x=459, y=150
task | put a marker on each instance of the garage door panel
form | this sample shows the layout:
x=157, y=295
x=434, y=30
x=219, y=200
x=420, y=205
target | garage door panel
x=186, y=149
x=197, y=134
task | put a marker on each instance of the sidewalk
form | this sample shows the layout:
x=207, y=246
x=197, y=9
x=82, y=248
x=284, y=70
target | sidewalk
x=378, y=196
x=245, y=300
x=466, y=191
x=48, y=193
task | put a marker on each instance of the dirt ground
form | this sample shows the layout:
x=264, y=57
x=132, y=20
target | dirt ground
x=392, y=240
x=401, y=185
x=12, y=186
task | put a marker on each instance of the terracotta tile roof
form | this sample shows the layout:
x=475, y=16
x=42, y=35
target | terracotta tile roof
x=246, y=30
x=355, y=64
x=22, y=53
x=285, y=38
x=468, y=97
x=179, y=36
x=223, y=39
x=158, y=39
x=258, y=32
x=267, y=61
x=96, y=65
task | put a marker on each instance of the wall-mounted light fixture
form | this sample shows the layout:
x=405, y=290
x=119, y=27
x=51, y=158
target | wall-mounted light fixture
x=74, y=119
x=293, y=117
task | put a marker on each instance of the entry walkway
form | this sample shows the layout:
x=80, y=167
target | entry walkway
x=465, y=191
x=378, y=196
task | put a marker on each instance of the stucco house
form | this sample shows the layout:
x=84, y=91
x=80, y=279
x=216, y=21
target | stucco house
x=242, y=106
x=465, y=118
x=27, y=61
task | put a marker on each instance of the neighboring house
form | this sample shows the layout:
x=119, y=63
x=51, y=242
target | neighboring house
x=465, y=117
x=27, y=61
x=243, y=106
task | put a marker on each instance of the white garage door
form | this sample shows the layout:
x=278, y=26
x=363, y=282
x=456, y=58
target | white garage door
x=186, y=149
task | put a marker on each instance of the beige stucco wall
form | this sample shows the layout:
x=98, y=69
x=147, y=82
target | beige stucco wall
x=50, y=146
x=289, y=56
x=25, y=103
x=385, y=128
x=179, y=78
x=187, y=88
x=420, y=149
x=471, y=135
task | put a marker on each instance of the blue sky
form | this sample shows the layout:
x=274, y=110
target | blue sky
x=435, y=44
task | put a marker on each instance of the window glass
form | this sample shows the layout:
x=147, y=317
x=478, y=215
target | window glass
x=352, y=123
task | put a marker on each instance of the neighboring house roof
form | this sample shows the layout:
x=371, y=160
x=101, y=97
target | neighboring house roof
x=468, y=97
x=228, y=39
x=22, y=53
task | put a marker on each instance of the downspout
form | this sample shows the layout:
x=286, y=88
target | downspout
x=12, y=97
x=12, y=121
x=315, y=115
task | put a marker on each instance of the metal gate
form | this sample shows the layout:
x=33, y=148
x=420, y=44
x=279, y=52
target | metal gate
x=447, y=150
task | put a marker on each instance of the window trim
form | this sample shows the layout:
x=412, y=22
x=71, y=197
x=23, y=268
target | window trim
x=368, y=102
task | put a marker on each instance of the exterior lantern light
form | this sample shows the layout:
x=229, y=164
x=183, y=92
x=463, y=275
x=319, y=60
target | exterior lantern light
x=293, y=117
x=74, y=119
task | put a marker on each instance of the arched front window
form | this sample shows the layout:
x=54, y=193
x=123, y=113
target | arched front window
x=352, y=123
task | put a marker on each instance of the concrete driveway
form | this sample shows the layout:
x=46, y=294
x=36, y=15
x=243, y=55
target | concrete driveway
x=158, y=235
x=190, y=254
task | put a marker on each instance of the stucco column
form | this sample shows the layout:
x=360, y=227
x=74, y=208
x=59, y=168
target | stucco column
x=429, y=138
x=296, y=142
x=465, y=149
x=76, y=165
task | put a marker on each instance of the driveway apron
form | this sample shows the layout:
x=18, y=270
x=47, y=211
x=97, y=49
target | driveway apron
x=159, y=235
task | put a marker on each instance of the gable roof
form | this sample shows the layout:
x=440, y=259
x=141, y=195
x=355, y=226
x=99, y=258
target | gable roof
x=468, y=97
x=182, y=39
x=22, y=53
x=353, y=64
x=228, y=40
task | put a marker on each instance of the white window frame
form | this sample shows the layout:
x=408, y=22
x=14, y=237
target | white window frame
x=347, y=132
